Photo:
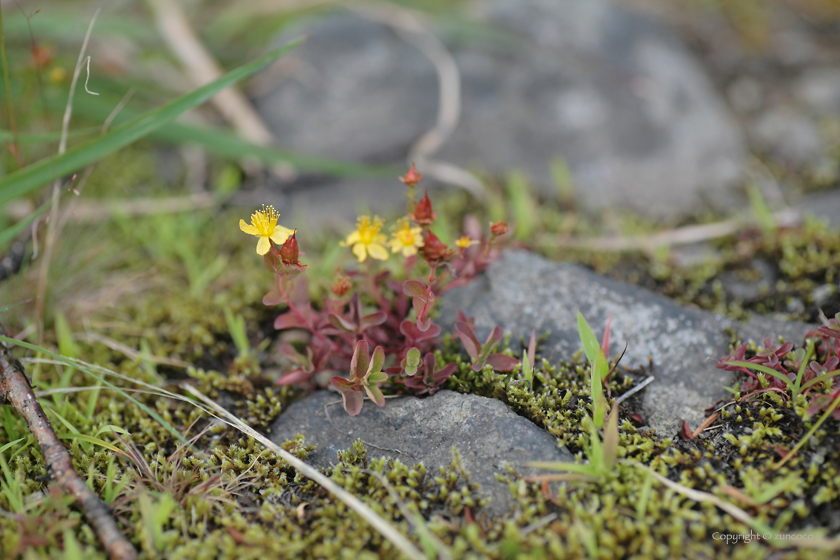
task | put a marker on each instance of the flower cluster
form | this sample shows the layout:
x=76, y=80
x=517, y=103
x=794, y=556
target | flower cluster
x=369, y=308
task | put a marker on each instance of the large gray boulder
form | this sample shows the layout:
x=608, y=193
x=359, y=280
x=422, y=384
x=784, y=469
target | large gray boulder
x=610, y=91
x=522, y=291
x=485, y=431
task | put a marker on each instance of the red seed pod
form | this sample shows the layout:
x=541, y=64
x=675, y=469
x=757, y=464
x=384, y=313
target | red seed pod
x=412, y=177
x=499, y=228
x=434, y=250
x=342, y=286
x=423, y=214
x=290, y=252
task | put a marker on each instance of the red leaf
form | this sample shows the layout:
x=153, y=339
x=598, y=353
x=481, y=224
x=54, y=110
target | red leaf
x=685, y=431
x=292, y=377
x=415, y=288
x=468, y=339
x=605, y=345
x=287, y=321
x=532, y=348
x=495, y=337
x=373, y=320
x=340, y=383
x=341, y=323
x=502, y=362
x=353, y=401
x=272, y=298
x=424, y=323
x=361, y=360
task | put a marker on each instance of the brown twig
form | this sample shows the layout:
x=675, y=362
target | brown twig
x=202, y=69
x=16, y=391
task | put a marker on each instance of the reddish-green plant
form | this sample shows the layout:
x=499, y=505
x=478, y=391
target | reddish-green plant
x=368, y=307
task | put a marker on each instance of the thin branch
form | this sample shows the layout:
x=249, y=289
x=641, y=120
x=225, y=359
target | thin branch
x=16, y=391
x=413, y=28
x=202, y=69
x=92, y=212
x=377, y=522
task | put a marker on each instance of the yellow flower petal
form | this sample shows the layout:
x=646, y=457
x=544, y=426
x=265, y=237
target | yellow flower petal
x=263, y=245
x=351, y=239
x=408, y=251
x=248, y=228
x=281, y=234
x=377, y=251
x=359, y=251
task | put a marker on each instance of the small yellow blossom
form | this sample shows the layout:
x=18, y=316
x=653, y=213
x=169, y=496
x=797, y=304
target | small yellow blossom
x=465, y=242
x=406, y=239
x=367, y=239
x=264, y=225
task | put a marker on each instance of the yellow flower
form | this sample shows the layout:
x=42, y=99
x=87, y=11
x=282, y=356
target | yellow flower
x=367, y=239
x=406, y=238
x=465, y=242
x=264, y=225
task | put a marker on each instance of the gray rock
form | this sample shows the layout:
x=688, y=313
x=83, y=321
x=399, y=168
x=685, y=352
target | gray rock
x=485, y=431
x=612, y=92
x=523, y=291
x=819, y=88
x=788, y=134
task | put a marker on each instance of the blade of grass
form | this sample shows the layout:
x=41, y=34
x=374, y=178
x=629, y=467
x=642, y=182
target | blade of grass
x=11, y=232
x=587, y=338
x=226, y=143
x=75, y=364
x=762, y=369
x=29, y=178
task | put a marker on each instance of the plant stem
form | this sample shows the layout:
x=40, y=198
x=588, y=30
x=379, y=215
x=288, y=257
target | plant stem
x=15, y=390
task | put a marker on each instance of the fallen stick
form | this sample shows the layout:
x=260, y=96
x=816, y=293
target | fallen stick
x=16, y=391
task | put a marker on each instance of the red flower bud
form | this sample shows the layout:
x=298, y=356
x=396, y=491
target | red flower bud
x=423, y=214
x=342, y=286
x=499, y=228
x=412, y=177
x=434, y=250
x=41, y=56
x=289, y=252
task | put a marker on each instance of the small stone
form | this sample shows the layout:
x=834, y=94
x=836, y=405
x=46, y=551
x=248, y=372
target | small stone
x=486, y=432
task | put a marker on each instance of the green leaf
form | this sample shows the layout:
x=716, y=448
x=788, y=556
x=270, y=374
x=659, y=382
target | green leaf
x=31, y=177
x=66, y=340
x=11, y=232
x=562, y=467
x=522, y=204
x=377, y=362
x=90, y=439
x=596, y=389
x=111, y=428
x=762, y=369
x=11, y=444
x=587, y=338
x=412, y=361
x=760, y=209
x=611, y=440
x=378, y=377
